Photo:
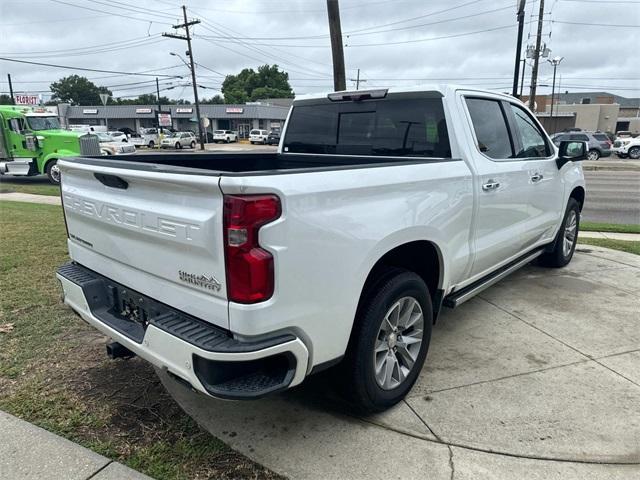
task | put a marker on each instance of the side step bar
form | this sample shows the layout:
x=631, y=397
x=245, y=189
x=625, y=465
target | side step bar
x=456, y=299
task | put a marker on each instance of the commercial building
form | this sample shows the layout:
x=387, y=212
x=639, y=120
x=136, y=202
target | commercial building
x=241, y=118
x=590, y=111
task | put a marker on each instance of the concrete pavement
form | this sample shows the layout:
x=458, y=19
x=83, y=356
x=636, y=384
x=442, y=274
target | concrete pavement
x=28, y=452
x=537, y=378
x=31, y=198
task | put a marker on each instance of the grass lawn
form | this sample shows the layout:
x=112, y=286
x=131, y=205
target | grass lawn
x=38, y=185
x=54, y=371
x=609, y=227
x=622, y=245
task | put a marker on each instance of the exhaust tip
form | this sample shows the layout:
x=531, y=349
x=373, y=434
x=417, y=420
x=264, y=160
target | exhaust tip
x=116, y=350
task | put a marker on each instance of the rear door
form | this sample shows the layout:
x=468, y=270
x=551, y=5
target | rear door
x=155, y=232
x=501, y=183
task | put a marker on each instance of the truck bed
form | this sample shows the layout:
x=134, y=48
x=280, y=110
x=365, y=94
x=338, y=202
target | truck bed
x=238, y=164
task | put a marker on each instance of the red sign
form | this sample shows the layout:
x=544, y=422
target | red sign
x=234, y=110
x=27, y=99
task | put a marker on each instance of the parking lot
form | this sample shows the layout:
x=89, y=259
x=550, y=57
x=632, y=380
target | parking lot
x=537, y=385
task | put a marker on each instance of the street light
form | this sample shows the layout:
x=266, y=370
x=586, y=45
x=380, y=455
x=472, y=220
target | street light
x=555, y=61
x=182, y=59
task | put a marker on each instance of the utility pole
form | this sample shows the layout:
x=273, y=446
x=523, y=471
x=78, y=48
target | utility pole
x=357, y=80
x=516, y=73
x=13, y=101
x=555, y=62
x=335, y=31
x=536, y=58
x=524, y=67
x=187, y=37
x=159, y=106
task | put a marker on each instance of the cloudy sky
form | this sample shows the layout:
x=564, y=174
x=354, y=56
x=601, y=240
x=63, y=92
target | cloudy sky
x=392, y=42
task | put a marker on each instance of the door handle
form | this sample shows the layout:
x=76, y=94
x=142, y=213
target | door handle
x=536, y=177
x=490, y=185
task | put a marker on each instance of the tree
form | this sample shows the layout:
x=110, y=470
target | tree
x=249, y=85
x=77, y=90
x=215, y=100
x=5, y=100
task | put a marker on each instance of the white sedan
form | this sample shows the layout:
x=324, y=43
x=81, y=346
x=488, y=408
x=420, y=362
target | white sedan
x=108, y=146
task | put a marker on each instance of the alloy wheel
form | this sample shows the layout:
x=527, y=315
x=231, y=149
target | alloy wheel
x=398, y=343
x=570, y=233
x=55, y=173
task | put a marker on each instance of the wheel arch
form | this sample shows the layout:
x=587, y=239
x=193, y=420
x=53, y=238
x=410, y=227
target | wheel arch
x=578, y=193
x=422, y=257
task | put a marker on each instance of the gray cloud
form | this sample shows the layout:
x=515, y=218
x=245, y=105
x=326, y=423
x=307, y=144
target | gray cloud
x=599, y=57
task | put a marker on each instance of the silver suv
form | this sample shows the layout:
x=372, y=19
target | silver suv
x=599, y=143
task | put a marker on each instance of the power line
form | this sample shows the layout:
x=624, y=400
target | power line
x=15, y=60
x=108, y=13
x=71, y=50
x=617, y=25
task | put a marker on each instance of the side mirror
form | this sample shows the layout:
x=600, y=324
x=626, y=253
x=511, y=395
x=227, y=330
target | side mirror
x=571, y=151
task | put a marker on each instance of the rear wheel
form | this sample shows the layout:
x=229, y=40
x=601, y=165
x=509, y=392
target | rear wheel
x=193, y=144
x=566, y=239
x=593, y=154
x=53, y=172
x=151, y=144
x=228, y=140
x=389, y=342
x=634, y=153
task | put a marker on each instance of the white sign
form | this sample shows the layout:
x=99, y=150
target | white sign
x=164, y=119
x=234, y=110
x=205, y=122
x=103, y=98
x=184, y=110
x=27, y=99
x=143, y=110
x=89, y=111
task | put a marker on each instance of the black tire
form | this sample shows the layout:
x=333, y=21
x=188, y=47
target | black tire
x=178, y=145
x=151, y=144
x=359, y=366
x=593, y=154
x=634, y=153
x=193, y=145
x=53, y=172
x=228, y=140
x=560, y=256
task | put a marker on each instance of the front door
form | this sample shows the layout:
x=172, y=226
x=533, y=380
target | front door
x=243, y=130
x=545, y=190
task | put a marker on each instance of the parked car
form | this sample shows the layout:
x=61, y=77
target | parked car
x=150, y=137
x=241, y=274
x=625, y=147
x=258, y=136
x=274, y=137
x=118, y=136
x=226, y=136
x=179, y=140
x=599, y=143
x=109, y=146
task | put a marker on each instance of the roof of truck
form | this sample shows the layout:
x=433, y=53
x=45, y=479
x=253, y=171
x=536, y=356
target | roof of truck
x=442, y=89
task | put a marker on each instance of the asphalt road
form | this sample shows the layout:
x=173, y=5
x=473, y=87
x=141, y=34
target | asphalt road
x=612, y=197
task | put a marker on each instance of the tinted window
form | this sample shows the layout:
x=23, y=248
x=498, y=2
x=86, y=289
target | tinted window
x=490, y=126
x=579, y=137
x=390, y=127
x=601, y=137
x=532, y=141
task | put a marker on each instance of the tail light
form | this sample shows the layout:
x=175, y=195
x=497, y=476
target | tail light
x=250, y=276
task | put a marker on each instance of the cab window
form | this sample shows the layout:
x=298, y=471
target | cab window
x=490, y=126
x=17, y=125
x=532, y=140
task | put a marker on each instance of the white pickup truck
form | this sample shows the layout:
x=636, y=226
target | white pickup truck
x=243, y=273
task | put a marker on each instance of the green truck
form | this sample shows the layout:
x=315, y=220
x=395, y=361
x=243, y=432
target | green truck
x=32, y=140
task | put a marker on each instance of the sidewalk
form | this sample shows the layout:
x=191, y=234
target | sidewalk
x=627, y=237
x=29, y=452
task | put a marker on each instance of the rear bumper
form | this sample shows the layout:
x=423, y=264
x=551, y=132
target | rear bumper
x=205, y=356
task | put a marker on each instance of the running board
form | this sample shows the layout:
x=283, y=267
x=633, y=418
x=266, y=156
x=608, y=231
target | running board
x=456, y=299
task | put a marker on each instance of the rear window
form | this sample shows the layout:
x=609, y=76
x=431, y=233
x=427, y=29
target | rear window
x=601, y=137
x=254, y=132
x=218, y=132
x=392, y=127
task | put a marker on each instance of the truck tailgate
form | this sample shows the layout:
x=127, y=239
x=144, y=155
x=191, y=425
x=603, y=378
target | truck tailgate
x=157, y=233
